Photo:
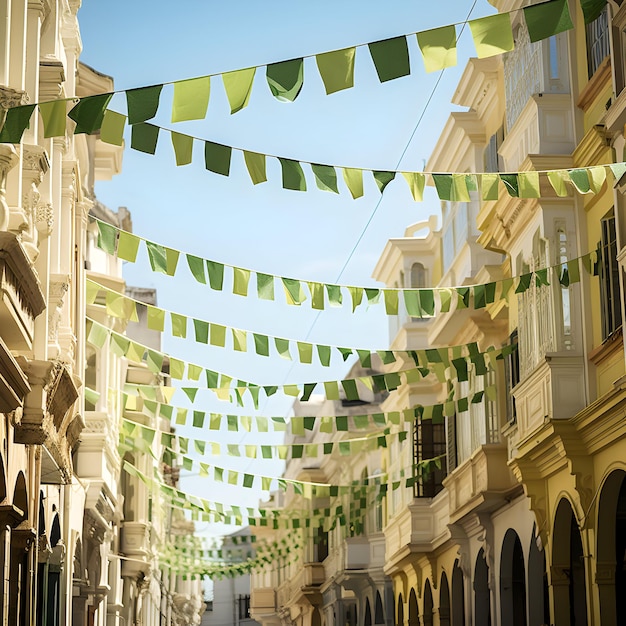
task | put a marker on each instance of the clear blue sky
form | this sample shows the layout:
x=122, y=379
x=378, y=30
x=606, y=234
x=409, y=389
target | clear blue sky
x=303, y=235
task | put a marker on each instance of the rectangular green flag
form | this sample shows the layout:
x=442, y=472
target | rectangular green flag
x=216, y=274
x=416, y=181
x=391, y=58
x=255, y=163
x=89, y=113
x=285, y=79
x=325, y=177
x=438, y=48
x=217, y=158
x=112, y=129
x=15, y=123
x=546, y=19
x=492, y=35
x=142, y=103
x=183, y=148
x=144, y=138
x=191, y=99
x=238, y=86
x=54, y=115
x=293, y=176
x=336, y=69
x=354, y=181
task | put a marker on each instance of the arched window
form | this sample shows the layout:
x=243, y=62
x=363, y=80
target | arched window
x=418, y=276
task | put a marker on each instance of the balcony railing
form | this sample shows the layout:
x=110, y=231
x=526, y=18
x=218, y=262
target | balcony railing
x=598, y=46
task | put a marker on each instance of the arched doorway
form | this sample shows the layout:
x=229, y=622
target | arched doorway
x=379, y=614
x=429, y=608
x=413, y=610
x=568, y=569
x=19, y=566
x=538, y=598
x=444, y=601
x=611, y=549
x=367, y=619
x=482, y=596
x=512, y=581
x=458, y=596
x=316, y=617
x=400, y=615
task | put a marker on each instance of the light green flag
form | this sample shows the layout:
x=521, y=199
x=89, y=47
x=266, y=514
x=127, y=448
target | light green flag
x=238, y=86
x=354, y=181
x=337, y=69
x=127, y=246
x=241, y=278
x=489, y=186
x=492, y=35
x=285, y=79
x=416, y=181
x=255, y=163
x=558, y=180
x=183, y=148
x=54, y=114
x=112, y=130
x=191, y=99
x=529, y=185
x=438, y=48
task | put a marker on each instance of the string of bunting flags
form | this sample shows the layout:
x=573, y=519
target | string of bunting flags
x=120, y=306
x=222, y=385
x=420, y=303
x=491, y=35
x=297, y=425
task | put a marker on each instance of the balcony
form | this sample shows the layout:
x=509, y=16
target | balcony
x=262, y=602
x=481, y=483
x=135, y=544
x=303, y=587
x=554, y=390
x=418, y=528
x=21, y=297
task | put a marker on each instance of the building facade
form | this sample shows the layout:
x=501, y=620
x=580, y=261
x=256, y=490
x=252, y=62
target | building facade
x=523, y=524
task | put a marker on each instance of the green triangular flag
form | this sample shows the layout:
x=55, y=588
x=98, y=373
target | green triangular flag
x=618, y=169
x=15, y=123
x=325, y=177
x=191, y=99
x=238, y=86
x=183, y=148
x=438, y=48
x=547, y=19
x=391, y=58
x=217, y=158
x=142, y=103
x=354, y=181
x=255, y=163
x=89, y=113
x=54, y=114
x=383, y=179
x=285, y=79
x=337, y=69
x=293, y=176
x=492, y=35
x=144, y=138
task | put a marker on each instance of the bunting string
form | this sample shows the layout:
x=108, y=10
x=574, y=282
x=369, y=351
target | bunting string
x=492, y=35
x=422, y=303
x=120, y=306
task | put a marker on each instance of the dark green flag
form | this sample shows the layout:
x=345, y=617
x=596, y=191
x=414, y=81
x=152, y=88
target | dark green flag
x=89, y=113
x=391, y=58
x=293, y=176
x=144, y=138
x=285, y=79
x=546, y=19
x=142, y=103
x=217, y=158
x=15, y=123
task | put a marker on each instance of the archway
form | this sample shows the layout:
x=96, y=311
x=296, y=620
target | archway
x=20, y=495
x=400, y=616
x=538, y=598
x=568, y=569
x=458, y=596
x=482, y=596
x=611, y=549
x=3, y=483
x=444, y=601
x=429, y=608
x=316, y=618
x=512, y=581
x=379, y=614
x=413, y=610
x=367, y=619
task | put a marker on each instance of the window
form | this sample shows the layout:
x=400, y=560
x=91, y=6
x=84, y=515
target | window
x=511, y=372
x=609, y=278
x=597, y=41
x=321, y=544
x=418, y=276
x=429, y=442
x=491, y=159
x=244, y=607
